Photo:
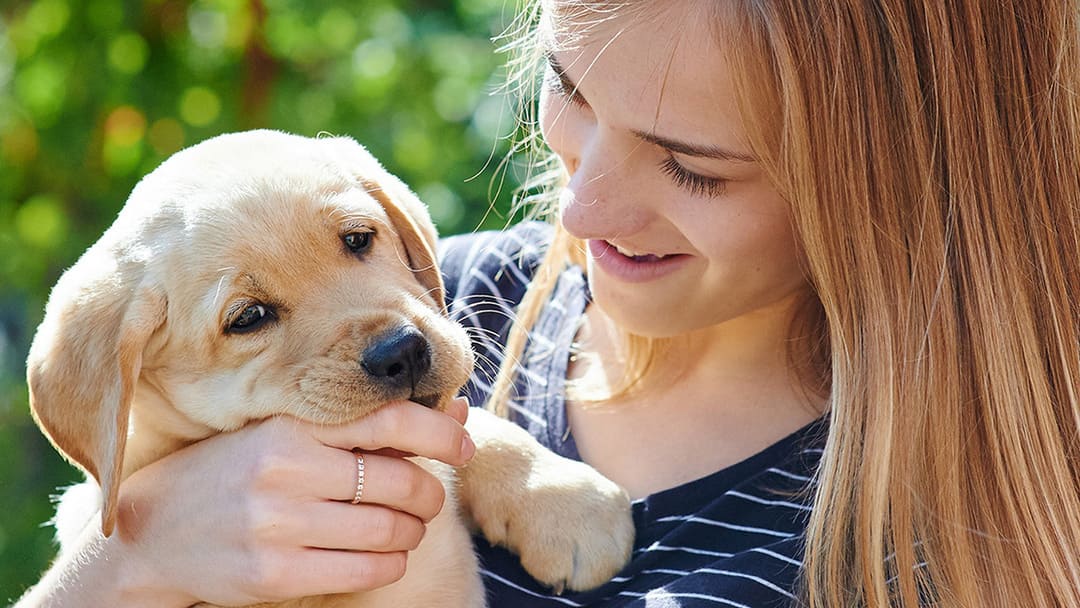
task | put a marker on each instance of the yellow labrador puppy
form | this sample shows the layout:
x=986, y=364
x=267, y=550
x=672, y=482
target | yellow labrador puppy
x=262, y=273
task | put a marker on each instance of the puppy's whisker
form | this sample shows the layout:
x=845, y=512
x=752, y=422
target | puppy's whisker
x=489, y=339
x=483, y=358
x=472, y=324
x=431, y=291
x=489, y=300
x=494, y=346
x=482, y=374
x=476, y=314
x=481, y=332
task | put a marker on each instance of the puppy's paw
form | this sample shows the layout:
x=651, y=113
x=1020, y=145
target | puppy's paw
x=570, y=525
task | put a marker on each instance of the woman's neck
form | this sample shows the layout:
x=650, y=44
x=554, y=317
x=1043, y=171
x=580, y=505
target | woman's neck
x=709, y=400
x=752, y=348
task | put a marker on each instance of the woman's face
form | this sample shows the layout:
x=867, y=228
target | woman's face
x=683, y=230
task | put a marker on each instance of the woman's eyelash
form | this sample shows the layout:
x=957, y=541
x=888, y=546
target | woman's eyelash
x=696, y=184
x=557, y=85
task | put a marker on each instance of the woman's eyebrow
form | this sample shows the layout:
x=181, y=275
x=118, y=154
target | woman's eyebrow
x=699, y=150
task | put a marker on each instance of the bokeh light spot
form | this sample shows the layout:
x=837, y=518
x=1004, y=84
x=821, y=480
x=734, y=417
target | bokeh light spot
x=208, y=27
x=119, y=159
x=40, y=221
x=40, y=87
x=316, y=108
x=48, y=17
x=393, y=25
x=454, y=99
x=125, y=126
x=445, y=206
x=337, y=29
x=414, y=149
x=122, y=150
x=374, y=58
x=19, y=145
x=128, y=53
x=166, y=136
x=199, y=106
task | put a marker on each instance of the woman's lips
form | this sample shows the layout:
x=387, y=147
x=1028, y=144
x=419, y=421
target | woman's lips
x=633, y=268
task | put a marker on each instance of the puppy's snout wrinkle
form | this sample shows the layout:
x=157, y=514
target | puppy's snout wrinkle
x=399, y=358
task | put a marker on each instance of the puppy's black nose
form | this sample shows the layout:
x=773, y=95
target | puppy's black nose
x=399, y=358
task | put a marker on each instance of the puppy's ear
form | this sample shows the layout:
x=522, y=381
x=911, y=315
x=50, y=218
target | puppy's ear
x=84, y=365
x=408, y=214
x=413, y=224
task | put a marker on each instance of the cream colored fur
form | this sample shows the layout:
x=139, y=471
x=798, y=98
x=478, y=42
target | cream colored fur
x=134, y=358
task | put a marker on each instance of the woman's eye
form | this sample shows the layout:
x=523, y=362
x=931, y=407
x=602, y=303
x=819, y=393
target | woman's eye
x=251, y=318
x=358, y=242
x=560, y=87
x=696, y=184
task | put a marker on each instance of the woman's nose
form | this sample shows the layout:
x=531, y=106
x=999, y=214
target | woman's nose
x=599, y=200
x=603, y=197
x=566, y=129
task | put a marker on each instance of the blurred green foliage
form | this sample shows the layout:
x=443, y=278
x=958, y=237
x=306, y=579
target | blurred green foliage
x=95, y=93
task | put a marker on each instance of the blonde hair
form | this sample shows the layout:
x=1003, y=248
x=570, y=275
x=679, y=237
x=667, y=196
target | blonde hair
x=928, y=150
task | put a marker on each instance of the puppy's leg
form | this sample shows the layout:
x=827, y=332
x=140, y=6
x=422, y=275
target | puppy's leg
x=570, y=525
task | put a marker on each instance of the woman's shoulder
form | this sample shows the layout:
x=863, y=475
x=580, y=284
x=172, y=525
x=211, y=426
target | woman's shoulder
x=521, y=236
x=494, y=263
x=492, y=266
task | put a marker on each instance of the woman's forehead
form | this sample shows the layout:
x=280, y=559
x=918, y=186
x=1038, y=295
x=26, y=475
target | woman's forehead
x=670, y=33
x=577, y=18
x=657, y=69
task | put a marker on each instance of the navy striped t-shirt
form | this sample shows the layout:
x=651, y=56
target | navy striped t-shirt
x=732, y=538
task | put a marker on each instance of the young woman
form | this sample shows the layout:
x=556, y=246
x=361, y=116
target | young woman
x=810, y=300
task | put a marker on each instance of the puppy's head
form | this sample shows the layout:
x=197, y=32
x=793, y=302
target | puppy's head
x=251, y=275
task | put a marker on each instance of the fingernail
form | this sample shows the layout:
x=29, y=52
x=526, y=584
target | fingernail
x=468, y=448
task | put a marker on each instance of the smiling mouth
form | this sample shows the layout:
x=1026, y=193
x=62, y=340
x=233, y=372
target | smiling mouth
x=634, y=266
x=637, y=257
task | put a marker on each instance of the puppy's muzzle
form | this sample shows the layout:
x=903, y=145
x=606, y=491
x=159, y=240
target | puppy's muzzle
x=398, y=360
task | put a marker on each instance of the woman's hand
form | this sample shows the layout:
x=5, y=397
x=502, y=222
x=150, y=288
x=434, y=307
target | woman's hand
x=264, y=513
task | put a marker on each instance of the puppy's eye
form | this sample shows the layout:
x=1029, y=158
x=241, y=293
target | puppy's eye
x=251, y=318
x=358, y=242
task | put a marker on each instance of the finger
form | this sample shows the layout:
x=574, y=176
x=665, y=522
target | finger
x=343, y=526
x=321, y=572
x=458, y=409
x=392, y=482
x=404, y=426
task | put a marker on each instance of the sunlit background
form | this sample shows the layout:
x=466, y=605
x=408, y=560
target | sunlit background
x=95, y=93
